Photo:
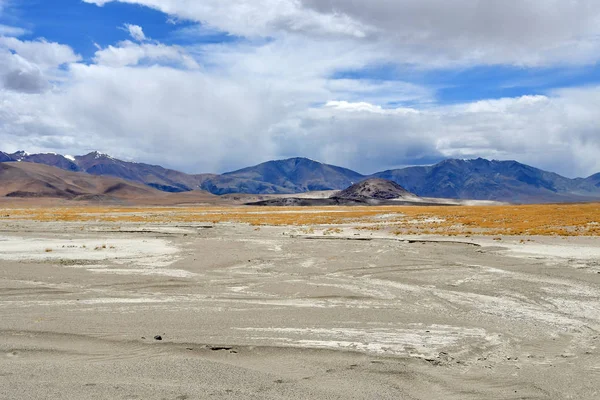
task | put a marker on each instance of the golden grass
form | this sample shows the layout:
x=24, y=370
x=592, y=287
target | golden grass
x=552, y=219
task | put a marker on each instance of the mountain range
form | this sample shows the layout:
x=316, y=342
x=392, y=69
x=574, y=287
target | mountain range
x=29, y=180
x=477, y=179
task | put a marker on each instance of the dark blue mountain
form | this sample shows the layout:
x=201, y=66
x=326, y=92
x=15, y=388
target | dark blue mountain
x=294, y=175
x=482, y=179
x=5, y=157
x=593, y=180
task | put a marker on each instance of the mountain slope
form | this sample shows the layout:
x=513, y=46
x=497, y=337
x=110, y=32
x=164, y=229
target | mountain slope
x=294, y=175
x=490, y=180
x=5, y=157
x=96, y=163
x=51, y=159
x=23, y=179
x=593, y=180
x=152, y=175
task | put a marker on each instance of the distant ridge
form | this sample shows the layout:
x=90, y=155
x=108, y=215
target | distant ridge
x=294, y=175
x=29, y=180
x=478, y=179
x=481, y=179
x=101, y=164
x=24, y=180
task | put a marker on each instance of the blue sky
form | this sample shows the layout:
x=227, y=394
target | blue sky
x=368, y=86
x=81, y=25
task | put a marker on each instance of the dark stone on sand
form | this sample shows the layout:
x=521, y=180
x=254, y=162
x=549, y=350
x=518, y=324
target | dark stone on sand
x=157, y=337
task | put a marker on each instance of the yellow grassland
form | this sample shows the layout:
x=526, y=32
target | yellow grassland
x=552, y=219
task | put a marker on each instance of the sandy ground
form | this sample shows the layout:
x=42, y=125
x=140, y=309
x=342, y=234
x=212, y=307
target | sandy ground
x=275, y=313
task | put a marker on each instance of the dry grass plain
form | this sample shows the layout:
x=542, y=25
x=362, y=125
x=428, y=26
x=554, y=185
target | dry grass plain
x=518, y=220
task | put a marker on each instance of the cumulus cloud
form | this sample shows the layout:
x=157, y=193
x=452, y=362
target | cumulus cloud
x=256, y=17
x=127, y=53
x=535, y=32
x=41, y=52
x=18, y=74
x=177, y=117
x=135, y=31
x=29, y=66
x=424, y=32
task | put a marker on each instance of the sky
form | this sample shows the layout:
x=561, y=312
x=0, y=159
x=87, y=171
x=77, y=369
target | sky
x=212, y=85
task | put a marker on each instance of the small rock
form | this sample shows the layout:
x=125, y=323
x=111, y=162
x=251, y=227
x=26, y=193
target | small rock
x=157, y=337
x=219, y=348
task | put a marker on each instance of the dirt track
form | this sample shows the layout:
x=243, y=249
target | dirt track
x=246, y=313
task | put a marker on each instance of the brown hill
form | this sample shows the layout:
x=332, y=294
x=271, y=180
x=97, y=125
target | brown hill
x=368, y=192
x=29, y=180
x=376, y=189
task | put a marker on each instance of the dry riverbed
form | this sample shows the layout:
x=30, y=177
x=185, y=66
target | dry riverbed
x=276, y=312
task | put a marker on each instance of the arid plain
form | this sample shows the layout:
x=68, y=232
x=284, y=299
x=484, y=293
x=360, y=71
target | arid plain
x=481, y=302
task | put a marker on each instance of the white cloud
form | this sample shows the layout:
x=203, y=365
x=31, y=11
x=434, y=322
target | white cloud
x=29, y=66
x=439, y=32
x=428, y=33
x=256, y=17
x=160, y=114
x=380, y=92
x=18, y=74
x=6, y=30
x=127, y=53
x=43, y=53
x=136, y=32
x=367, y=107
